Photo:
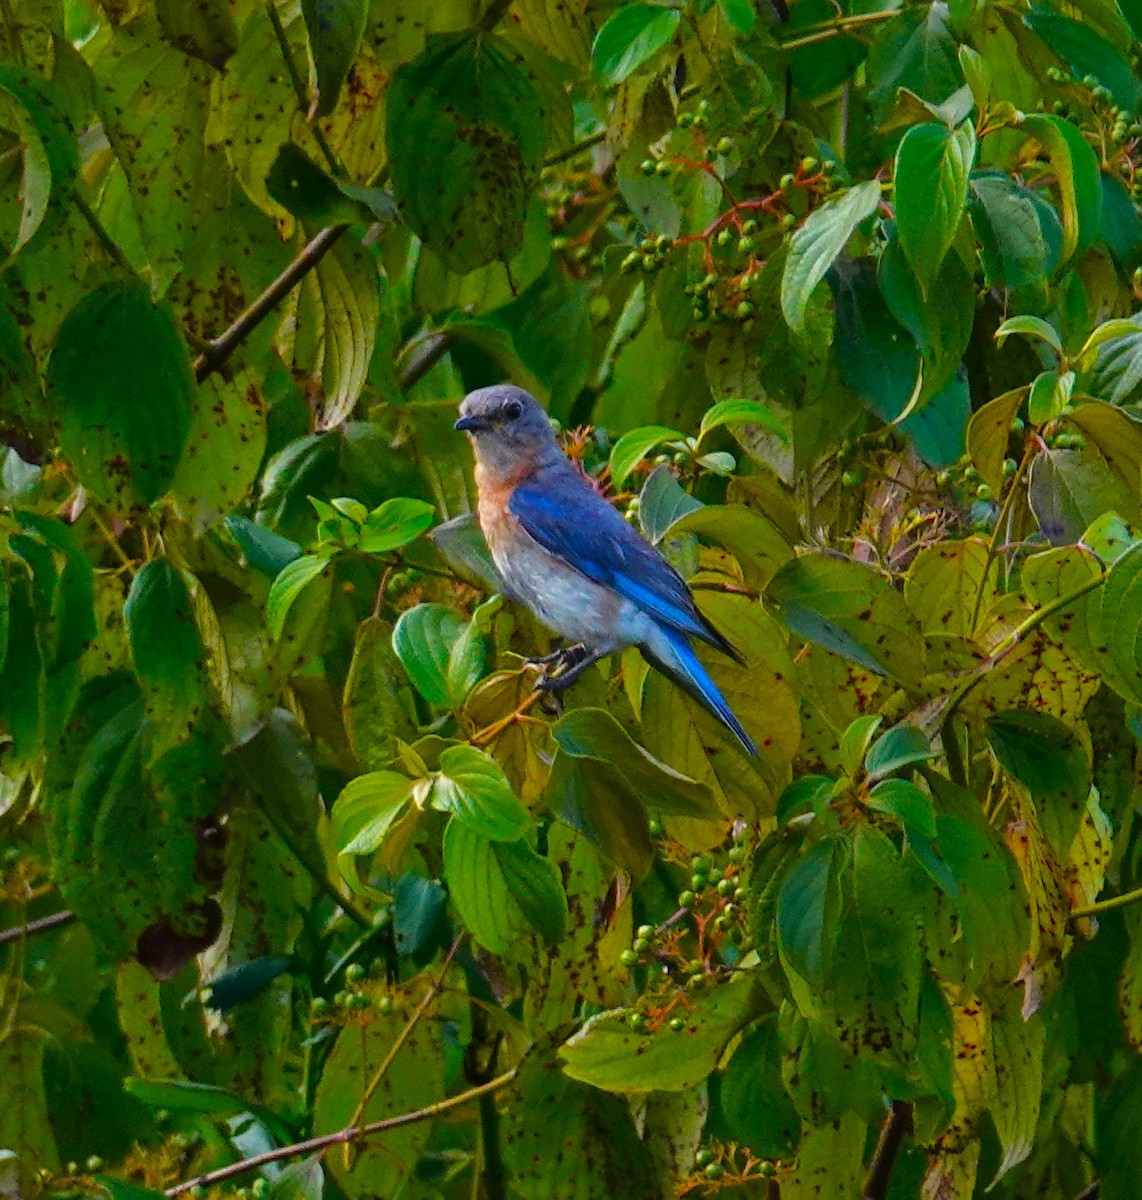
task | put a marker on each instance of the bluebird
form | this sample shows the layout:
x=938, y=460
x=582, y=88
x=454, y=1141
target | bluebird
x=566, y=554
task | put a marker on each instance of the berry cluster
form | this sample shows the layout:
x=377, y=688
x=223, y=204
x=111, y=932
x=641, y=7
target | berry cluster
x=361, y=999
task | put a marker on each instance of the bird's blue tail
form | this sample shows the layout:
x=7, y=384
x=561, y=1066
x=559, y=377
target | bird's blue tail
x=673, y=655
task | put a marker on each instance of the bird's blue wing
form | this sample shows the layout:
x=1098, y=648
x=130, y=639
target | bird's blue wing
x=570, y=520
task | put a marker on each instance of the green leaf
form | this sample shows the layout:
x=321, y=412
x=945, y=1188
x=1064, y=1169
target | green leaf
x=1076, y=169
x=753, y=1099
x=662, y=502
x=630, y=37
x=121, y=389
x=740, y=14
x=426, y=640
x=856, y=740
x=477, y=884
x=473, y=786
x=950, y=584
x=269, y=552
x=415, y=1079
x=742, y=412
x=202, y=29
x=988, y=433
x=224, y=448
x=367, y=809
x=806, y=934
x=396, y=523
x=461, y=543
x=591, y=733
x=25, y=1128
x=907, y=803
x=335, y=28
x=1113, y=628
x=536, y=885
x=901, y=746
x=288, y=584
x=634, y=446
x=608, y=1054
x=1033, y=327
x=931, y=173
x=817, y=243
x=849, y=609
x=1018, y=1052
x=339, y=309
x=166, y=649
x=472, y=100
x=758, y=545
x=1020, y=235
x=564, y=1139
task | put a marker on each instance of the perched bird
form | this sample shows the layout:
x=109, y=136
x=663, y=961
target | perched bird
x=568, y=555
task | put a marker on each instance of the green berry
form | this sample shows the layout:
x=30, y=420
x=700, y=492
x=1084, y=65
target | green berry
x=637, y=1022
x=725, y=236
x=342, y=999
x=319, y=1006
x=685, y=120
x=736, y=854
x=640, y=946
x=714, y=1171
x=663, y=242
x=1010, y=466
x=971, y=475
x=739, y=895
x=724, y=145
x=630, y=263
x=354, y=973
x=654, y=825
x=686, y=899
x=664, y=168
x=726, y=888
x=788, y=220
x=677, y=1024
x=703, y=1158
x=850, y=479
x=647, y=166
x=385, y=1006
x=1017, y=425
x=983, y=492
x=749, y=227
x=93, y=1164
x=646, y=932
x=649, y=262
x=700, y=862
x=745, y=245
x=259, y=1188
x=809, y=165
x=787, y=181
x=744, y=310
x=628, y=958
x=359, y=1001
x=698, y=881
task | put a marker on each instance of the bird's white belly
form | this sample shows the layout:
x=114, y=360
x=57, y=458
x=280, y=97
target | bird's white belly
x=569, y=603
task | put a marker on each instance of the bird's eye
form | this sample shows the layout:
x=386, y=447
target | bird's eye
x=513, y=409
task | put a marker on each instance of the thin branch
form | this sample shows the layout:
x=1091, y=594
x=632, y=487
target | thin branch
x=219, y=349
x=897, y=1126
x=301, y=91
x=343, y=1136
x=1101, y=906
x=109, y=244
x=39, y=925
x=434, y=990
x=830, y=29
x=422, y=359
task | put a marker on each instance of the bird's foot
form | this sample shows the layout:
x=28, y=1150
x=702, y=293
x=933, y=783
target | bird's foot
x=564, y=657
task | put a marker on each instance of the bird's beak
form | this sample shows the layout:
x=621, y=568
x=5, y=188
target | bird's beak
x=473, y=424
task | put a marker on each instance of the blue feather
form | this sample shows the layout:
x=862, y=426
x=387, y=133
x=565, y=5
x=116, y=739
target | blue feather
x=568, y=519
x=675, y=658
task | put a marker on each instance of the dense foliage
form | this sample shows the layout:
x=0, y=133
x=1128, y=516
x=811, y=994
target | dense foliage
x=842, y=303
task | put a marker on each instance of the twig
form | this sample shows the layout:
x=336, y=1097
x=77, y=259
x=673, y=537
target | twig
x=426, y=355
x=1101, y=906
x=830, y=29
x=301, y=91
x=434, y=990
x=343, y=1136
x=39, y=925
x=220, y=348
x=108, y=243
x=897, y=1126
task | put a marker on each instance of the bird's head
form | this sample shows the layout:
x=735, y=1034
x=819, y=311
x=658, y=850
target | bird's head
x=507, y=427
